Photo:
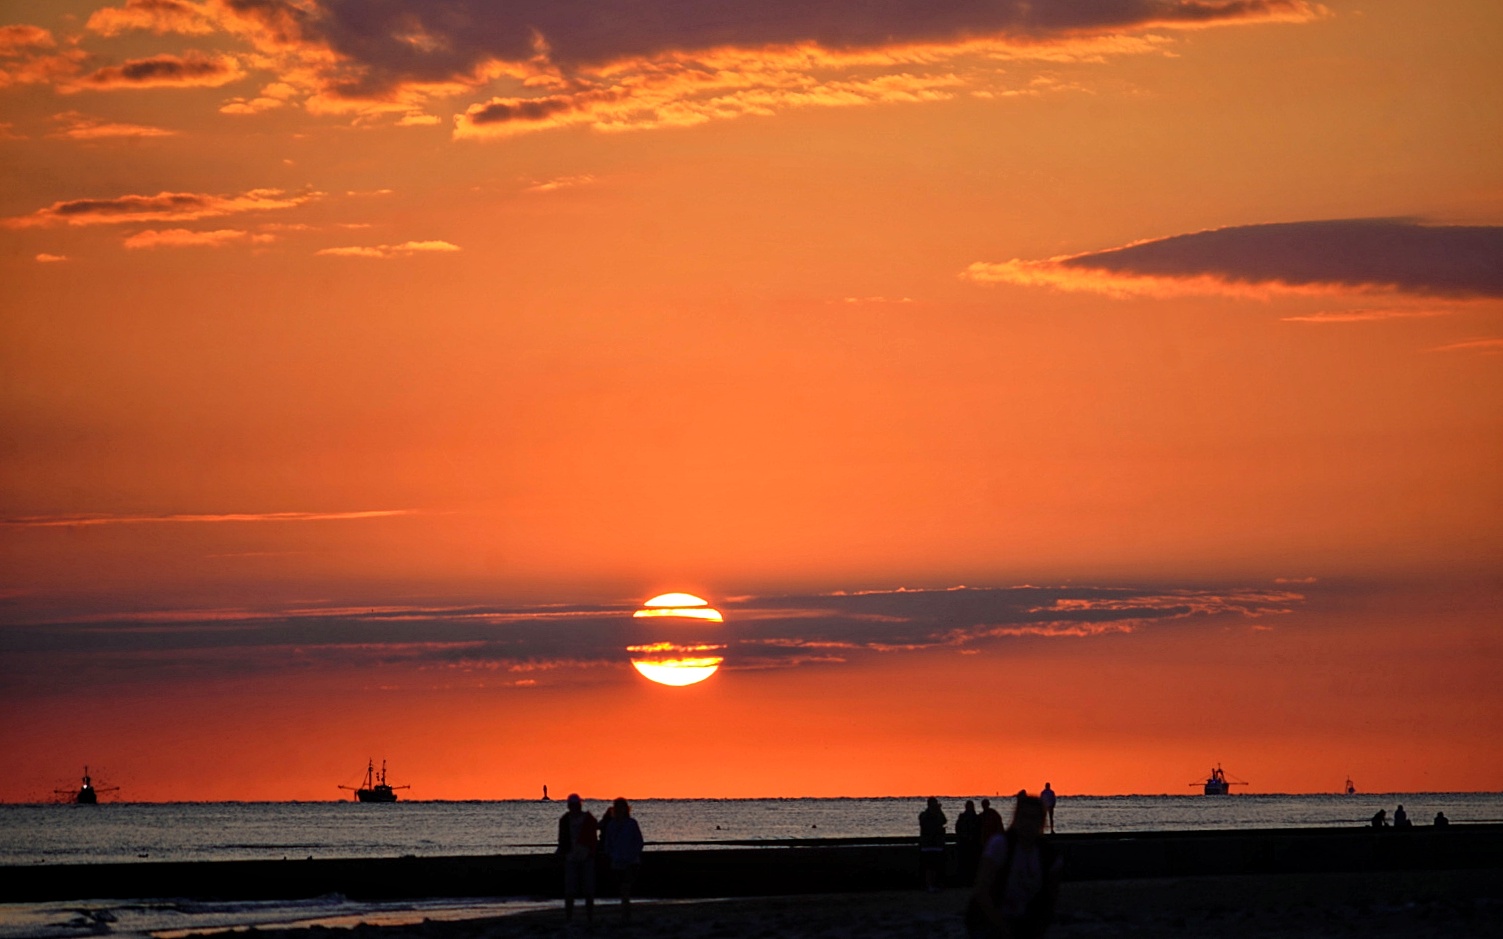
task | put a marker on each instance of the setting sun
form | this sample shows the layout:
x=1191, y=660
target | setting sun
x=677, y=661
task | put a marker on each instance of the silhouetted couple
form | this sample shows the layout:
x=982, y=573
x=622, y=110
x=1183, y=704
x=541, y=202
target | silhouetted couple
x=617, y=838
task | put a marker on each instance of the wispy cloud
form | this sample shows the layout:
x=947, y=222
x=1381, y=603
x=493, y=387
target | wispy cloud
x=1366, y=315
x=45, y=258
x=1487, y=346
x=184, y=238
x=1346, y=256
x=387, y=252
x=164, y=206
x=76, y=126
x=59, y=521
x=560, y=182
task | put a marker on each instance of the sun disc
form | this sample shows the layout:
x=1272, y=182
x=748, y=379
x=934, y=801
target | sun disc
x=676, y=599
x=678, y=672
x=676, y=656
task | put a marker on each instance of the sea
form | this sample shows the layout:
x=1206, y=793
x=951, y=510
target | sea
x=124, y=832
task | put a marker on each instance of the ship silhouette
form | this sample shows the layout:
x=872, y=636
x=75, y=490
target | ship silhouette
x=87, y=793
x=375, y=788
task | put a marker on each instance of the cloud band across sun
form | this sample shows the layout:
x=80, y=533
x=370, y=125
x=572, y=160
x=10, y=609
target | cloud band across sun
x=553, y=644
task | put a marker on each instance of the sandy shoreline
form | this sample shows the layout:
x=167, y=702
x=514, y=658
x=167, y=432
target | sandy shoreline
x=1387, y=905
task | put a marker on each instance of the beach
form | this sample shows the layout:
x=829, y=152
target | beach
x=1273, y=882
x=1401, y=905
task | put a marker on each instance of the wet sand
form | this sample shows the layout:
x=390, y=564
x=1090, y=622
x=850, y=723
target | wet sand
x=1384, y=905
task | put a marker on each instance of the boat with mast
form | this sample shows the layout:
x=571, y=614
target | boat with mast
x=375, y=788
x=1217, y=783
x=87, y=793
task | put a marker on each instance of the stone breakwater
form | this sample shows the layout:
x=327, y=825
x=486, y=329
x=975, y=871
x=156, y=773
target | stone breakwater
x=802, y=866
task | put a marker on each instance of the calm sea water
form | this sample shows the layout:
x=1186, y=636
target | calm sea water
x=213, y=831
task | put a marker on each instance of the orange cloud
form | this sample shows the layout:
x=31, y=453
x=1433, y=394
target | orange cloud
x=45, y=258
x=21, y=38
x=193, y=70
x=658, y=68
x=164, y=206
x=405, y=249
x=26, y=57
x=183, y=238
x=80, y=127
x=157, y=16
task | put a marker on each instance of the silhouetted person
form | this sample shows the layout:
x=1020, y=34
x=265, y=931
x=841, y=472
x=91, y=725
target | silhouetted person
x=1380, y=819
x=577, y=840
x=991, y=822
x=622, y=845
x=968, y=842
x=1018, y=881
x=932, y=843
x=1046, y=797
x=1401, y=818
x=1440, y=820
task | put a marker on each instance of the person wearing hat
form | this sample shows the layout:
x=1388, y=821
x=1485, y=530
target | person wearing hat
x=578, y=837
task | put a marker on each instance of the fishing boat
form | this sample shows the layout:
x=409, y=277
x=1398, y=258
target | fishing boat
x=1217, y=783
x=87, y=793
x=375, y=788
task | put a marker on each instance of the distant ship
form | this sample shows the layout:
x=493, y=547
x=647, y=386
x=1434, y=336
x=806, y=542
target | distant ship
x=87, y=794
x=1350, y=789
x=375, y=788
x=1217, y=783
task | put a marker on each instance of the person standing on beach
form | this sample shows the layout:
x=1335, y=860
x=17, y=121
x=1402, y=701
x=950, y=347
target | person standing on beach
x=968, y=842
x=991, y=821
x=932, y=843
x=1047, y=798
x=577, y=840
x=622, y=845
x=1018, y=881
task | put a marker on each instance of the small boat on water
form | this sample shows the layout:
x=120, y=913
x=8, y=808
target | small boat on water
x=1217, y=783
x=88, y=793
x=375, y=788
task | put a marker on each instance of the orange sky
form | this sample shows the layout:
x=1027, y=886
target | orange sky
x=381, y=363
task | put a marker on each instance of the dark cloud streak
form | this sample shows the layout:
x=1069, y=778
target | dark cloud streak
x=1409, y=256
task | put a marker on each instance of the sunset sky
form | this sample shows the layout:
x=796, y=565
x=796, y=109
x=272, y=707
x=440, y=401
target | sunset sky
x=1078, y=390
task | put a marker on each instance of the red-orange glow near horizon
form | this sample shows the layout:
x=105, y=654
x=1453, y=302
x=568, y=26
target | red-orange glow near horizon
x=672, y=663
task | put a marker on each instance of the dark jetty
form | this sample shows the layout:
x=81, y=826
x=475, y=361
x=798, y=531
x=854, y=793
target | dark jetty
x=801, y=866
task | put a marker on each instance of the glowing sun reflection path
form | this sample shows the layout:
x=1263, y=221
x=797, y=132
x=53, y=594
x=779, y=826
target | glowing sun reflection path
x=677, y=664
